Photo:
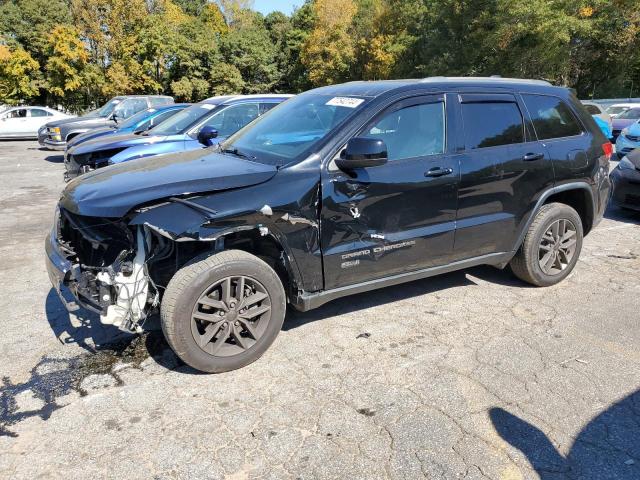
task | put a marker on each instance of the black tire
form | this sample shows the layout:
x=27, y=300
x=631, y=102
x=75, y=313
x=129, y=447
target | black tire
x=189, y=287
x=526, y=264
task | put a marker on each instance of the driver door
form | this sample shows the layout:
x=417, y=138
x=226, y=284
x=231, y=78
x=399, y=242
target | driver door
x=399, y=216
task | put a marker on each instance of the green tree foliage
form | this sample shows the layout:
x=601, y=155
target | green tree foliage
x=78, y=52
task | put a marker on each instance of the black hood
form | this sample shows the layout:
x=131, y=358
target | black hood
x=113, y=191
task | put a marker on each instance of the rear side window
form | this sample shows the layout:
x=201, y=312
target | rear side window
x=490, y=124
x=37, y=112
x=551, y=117
x=592, y=109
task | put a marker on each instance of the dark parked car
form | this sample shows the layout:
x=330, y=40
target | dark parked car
x=626, y=181
x=339, y=190
x=56, y=134
x=202, y=124
x=136, y=124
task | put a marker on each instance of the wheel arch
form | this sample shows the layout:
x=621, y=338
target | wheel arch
x=578, y=195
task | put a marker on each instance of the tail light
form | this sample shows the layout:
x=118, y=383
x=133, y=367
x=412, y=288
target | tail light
x=607, y=148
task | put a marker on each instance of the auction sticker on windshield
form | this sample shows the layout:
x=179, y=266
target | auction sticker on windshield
x=345, y=102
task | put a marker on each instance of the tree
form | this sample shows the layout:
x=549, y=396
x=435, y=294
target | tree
x=329, y=50
x=225, y=79
x=66, y=63
x=18, y=73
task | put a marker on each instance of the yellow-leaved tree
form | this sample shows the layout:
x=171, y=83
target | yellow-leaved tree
x=329, y=50
x=18, y=72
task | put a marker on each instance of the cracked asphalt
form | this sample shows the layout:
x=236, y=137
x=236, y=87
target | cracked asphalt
x=468, y=375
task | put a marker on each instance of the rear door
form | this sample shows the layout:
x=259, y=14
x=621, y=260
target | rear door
x=399, y=216
x=504, y=169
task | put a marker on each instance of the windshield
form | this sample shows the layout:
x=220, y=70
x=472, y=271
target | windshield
x=291, y=130
x=138, y=117
x=632, y=113
x=615, y=110
x=107, y=108
x=182, y=120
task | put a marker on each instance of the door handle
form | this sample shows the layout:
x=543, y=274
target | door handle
x=530, y=157
x=438, y=172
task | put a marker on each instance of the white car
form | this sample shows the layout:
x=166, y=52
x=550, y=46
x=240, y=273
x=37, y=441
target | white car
x=617, y=108
x=24, y=122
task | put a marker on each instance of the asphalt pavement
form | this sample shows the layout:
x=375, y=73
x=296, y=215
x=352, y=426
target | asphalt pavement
x=472, y=374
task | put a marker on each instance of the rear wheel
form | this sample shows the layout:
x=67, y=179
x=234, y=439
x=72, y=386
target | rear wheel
x=551, y=246
x=221, y=312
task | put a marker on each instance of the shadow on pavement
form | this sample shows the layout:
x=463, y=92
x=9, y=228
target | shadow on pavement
x=90, y=334
x=400, y=292
x=55, y=158
x=608, y=447
x=622, y=215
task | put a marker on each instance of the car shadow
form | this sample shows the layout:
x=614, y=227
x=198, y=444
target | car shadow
x=401, y=292
x=608, y=447
x=57, y=158
x=87, y=331
x=622, y=215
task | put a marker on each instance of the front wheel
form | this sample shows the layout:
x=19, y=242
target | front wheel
x=221, y=312
x=551, y=246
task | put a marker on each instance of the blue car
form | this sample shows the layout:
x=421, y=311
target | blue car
x=202, y=124
x=138, y=123
x=628, y=140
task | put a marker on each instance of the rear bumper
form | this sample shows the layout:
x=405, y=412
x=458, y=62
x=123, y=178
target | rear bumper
x=626, y=188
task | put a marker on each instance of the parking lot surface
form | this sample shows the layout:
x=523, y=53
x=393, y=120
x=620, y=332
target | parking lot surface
x=468, y=375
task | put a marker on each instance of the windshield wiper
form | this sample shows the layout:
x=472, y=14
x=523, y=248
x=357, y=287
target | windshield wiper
x=237, y=153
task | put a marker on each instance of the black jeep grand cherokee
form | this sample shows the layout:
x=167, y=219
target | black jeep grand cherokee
x=339, y=190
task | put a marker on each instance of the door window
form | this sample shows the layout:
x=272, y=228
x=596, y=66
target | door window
x=233, y=118
x=17, y=113
x=130, y=107
x=490, y=124
x=38, y=112
x=412, y=131
x=551, y=117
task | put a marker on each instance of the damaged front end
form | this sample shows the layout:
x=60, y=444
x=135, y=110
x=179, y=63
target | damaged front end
x=105, y=264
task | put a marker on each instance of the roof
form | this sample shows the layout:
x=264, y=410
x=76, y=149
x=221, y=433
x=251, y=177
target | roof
x=233, y=98
x=378, y=87
x=628, y=104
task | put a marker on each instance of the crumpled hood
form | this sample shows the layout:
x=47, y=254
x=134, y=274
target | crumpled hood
x=125, y=140
x=91, y=135
x=113, y=191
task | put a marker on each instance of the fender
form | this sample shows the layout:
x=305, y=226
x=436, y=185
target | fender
x=543, y=198
x=182, y=220
x=74, y=133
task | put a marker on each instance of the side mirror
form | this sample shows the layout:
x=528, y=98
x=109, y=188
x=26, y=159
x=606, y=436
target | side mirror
x=114, y=117
x=363, y=152
x=206, y=134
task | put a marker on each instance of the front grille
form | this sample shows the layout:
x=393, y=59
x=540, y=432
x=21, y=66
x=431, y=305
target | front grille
x=92, y=241
x=633, y=138
x=632, y=199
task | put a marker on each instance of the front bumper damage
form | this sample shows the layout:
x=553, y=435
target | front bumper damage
x=121, y=293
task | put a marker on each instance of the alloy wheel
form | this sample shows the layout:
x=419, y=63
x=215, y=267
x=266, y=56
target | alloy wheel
x=557, y=247
x=230, y=316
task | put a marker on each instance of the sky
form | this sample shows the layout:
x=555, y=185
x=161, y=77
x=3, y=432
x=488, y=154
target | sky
x=285, y=6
